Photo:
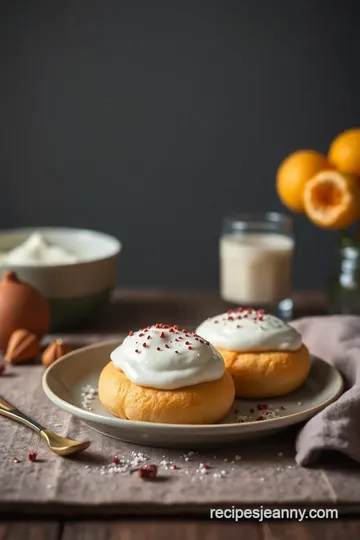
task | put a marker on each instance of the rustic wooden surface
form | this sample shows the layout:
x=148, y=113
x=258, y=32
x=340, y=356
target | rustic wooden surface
x=179, y=530
x=134, y=308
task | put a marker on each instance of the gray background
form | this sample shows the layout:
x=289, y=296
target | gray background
x=152, y=120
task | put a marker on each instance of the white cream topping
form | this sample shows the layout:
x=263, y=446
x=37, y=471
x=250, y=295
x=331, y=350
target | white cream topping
x=37, y=251
x=249, y=330
x=167, y=358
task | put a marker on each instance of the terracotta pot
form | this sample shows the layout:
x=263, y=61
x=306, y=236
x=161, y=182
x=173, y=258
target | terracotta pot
x=21, y=306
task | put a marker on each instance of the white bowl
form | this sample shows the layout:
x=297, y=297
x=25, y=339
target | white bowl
x=75, y=291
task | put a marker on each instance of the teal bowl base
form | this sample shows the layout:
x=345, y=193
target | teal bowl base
x=69, y=314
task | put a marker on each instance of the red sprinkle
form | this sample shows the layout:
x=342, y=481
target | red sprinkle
x=137, y=350
x=177, y=352
x=262, y=406
x=158, y=349
x=148, y=471
x=115, y=460
x=174, y=467
x=261, y=311
x=162, y=335
x=144, y=345
x=131, y=333
x=190, y=348
x=167, y=346
x=149, y=337
x=32, y=456
x=230, y=318
x=176, y=327
x=141, y=335
x=202, y=341
x=206, y=466
x=171, y=330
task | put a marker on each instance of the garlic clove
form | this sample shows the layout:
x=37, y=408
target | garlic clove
x=22, y=346
x=54, y=351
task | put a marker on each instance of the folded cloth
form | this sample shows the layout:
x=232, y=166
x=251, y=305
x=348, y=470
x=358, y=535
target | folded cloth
x=335, y=339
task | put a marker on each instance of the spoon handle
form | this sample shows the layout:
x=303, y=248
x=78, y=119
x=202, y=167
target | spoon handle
x=6, y=409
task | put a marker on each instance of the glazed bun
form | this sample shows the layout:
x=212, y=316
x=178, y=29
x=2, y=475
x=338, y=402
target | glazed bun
x=264, y=355
x=203, y=403
x=166, y=375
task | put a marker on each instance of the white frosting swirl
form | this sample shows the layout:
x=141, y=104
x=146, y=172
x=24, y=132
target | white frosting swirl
x=245, y=330
x=167, y=358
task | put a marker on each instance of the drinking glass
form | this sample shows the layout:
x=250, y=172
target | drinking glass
x=256, y=252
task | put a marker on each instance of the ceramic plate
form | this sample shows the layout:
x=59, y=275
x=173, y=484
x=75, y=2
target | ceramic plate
x=64, y=383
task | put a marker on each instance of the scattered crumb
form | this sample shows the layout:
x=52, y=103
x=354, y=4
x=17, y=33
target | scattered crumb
x=88, y=394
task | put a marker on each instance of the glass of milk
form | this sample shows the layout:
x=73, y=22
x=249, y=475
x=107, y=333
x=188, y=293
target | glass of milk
x=255, y=262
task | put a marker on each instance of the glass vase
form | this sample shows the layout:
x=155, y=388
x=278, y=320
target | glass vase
x=343, y=290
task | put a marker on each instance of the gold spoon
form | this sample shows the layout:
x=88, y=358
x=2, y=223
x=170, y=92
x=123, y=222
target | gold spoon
x=58, y=445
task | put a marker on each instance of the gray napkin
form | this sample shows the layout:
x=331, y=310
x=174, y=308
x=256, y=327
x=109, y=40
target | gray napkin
x=335, y=339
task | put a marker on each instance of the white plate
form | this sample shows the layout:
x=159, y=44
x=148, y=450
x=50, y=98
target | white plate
x=63, y=383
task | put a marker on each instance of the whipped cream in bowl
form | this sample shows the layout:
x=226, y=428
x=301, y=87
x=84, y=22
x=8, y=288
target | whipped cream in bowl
x=167, y=358
x=245, y=330
x=36, y=250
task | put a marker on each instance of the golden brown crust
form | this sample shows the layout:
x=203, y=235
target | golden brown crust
x=267, y=374
x=204, y=403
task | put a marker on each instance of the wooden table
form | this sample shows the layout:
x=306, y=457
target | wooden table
x=134, y=308
x=179, y=530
